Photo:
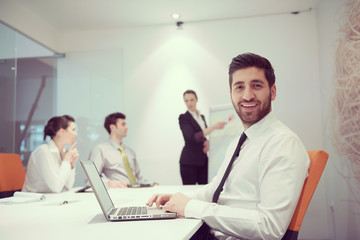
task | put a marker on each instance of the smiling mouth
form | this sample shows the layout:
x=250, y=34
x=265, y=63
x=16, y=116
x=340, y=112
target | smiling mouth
x=248, y=106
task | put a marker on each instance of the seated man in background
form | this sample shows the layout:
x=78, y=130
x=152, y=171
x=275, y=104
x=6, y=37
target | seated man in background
x=256, y=190
x=115, y=161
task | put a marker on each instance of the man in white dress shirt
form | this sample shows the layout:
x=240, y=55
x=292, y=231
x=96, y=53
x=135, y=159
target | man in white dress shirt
x=261, y=192
x=108, y=158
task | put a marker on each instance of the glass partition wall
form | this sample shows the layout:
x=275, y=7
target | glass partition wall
x=27, y=92
x=7, y=90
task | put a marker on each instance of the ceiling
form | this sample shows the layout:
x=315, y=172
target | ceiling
x=80, y=15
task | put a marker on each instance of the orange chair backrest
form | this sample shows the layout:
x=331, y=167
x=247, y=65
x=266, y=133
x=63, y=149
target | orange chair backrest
x=12, y=173
x=318, y=159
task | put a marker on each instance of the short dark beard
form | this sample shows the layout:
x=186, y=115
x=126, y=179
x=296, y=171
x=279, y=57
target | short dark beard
x=261, y=115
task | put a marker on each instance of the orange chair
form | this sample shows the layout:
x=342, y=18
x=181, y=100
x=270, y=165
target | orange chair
x=12, y=174
x=318, y=159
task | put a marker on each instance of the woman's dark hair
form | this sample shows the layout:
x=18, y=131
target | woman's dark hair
x=190, y=92
x=111, y=119
x=56, y=123
x=252, y=60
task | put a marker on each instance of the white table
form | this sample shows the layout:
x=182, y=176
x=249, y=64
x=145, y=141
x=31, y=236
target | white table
x=82, y=218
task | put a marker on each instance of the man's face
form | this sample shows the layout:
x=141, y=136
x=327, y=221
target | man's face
x=119, y=129
x=251, y=95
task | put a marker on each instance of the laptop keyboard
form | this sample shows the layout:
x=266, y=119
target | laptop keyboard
x=125, y=211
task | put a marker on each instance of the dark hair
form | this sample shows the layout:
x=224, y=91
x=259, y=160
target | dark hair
x=190, y=92
x=111, y=119
x=252, y=60
x=56, y=123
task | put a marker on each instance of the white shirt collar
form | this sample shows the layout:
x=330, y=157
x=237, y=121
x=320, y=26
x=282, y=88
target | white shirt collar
x=195, y=116
x=115, y=144
x=198, y=118
x=52, y=146
x=258, y=128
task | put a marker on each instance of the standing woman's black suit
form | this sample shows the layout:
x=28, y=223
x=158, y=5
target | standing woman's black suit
x=193, y=161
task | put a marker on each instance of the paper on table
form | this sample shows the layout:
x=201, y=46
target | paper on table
x=23, y=197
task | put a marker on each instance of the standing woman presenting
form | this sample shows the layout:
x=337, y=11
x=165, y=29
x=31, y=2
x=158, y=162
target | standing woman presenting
x=50, y=168
x=194, y=159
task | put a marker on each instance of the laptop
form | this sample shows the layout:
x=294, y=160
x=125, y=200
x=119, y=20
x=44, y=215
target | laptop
x=119, y=214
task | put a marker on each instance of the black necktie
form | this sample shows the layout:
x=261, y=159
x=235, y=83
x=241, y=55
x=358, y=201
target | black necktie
x=227, y=172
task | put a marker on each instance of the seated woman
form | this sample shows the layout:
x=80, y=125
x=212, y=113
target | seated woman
x=50, y=167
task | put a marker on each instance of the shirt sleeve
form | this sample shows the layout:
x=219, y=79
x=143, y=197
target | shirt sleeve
x=70, y=182
x=53, y=175
x=282, y=171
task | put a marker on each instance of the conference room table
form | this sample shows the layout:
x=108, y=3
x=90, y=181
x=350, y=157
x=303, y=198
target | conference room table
x=70, y=215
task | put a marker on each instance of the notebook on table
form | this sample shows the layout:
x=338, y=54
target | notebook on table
x=112, y=213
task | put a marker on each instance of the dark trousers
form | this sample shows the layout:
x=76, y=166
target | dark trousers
x=203, y=233
x=194, y=174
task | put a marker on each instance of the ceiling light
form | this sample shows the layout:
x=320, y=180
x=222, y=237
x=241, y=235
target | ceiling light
x=175, y=16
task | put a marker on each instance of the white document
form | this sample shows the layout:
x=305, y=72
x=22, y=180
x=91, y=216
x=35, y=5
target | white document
x=23, y=197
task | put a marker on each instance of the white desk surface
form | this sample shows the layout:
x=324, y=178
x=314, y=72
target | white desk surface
x=82, y=218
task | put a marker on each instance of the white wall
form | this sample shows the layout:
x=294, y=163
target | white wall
x=161, y=62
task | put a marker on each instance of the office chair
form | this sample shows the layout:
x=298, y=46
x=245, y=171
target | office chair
x=12, y=174
x=318, y=159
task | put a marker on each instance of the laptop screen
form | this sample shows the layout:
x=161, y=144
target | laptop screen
x=97, y=185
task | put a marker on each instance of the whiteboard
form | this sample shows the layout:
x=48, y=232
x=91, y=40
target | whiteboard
x=220, y=139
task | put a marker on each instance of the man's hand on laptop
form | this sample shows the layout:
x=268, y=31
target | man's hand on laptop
x=117, y=184
x=158, y=199
x=170, y=202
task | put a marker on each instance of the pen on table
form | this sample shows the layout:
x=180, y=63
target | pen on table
x=63, y=202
